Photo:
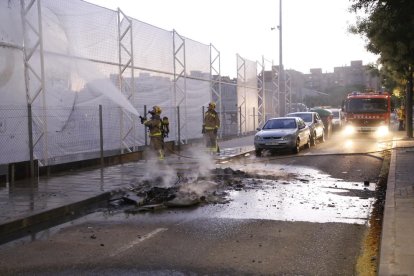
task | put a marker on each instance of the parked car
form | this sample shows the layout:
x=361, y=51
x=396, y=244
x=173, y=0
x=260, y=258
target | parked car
x=326, y=116
x=338, y=118
x=314, y=122
x=282, y=133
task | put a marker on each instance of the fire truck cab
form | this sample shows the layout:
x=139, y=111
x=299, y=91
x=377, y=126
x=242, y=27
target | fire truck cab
x=367, y=112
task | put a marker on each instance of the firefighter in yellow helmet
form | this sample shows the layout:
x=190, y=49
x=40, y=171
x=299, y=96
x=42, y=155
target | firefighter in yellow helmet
x=401, y=118
x=211, y=124
x=154, y=125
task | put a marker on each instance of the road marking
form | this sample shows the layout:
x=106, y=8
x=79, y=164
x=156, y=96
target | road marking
x=137, y=241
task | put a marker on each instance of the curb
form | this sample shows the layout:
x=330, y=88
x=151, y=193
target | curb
x=387, y=254
x=19, y=228
x=235, y=156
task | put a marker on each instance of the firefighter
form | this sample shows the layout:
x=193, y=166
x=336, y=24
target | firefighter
x=154, y=125
x=211, y=124
x=401, y=118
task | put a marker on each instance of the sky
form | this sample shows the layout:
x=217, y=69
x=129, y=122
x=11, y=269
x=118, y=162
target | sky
x=314, y=32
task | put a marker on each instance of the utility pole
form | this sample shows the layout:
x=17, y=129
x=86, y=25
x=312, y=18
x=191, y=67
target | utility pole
x=282, y=87
x=280, y=35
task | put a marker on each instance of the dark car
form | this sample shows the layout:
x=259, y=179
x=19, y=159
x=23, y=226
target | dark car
x=314, y=122
x=327, y=117
x=282, y=133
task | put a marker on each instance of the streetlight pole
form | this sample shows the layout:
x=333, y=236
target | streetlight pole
x=280, y=35
x=281, y=79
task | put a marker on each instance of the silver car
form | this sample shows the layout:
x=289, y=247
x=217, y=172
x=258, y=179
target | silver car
x=282, y=133
x=314, y=122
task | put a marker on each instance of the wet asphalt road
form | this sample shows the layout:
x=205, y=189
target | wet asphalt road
x=308, y=218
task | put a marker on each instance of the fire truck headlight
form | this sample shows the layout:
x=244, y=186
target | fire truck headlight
x=349, y=130
x=382, y=131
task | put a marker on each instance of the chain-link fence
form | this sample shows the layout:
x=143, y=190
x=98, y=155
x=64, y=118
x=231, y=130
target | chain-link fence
x=61, y=60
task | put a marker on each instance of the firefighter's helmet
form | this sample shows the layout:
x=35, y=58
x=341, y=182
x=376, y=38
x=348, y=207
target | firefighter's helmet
x=212, y=105
x=156, y=109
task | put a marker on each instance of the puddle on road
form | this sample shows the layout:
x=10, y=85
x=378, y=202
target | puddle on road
x=300, y=194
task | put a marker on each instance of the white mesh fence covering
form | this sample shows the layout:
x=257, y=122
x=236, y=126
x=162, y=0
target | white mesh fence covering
x=153, y=47
x=247, y=95
x=81, y=54
x=13, y=103
x=252, y=98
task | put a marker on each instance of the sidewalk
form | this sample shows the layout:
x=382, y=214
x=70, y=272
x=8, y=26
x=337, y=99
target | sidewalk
x=24, y=205
x=397, y=242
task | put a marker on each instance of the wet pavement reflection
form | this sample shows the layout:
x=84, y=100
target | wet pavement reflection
x=302, y=194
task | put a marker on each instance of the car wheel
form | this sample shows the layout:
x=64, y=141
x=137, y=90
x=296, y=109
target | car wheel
x=258, y=152
x=308, y=143
x=296, y=148
x=322, y=138
x=313, y=139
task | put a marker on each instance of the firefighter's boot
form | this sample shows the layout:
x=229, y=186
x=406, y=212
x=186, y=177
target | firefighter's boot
x=161, y=154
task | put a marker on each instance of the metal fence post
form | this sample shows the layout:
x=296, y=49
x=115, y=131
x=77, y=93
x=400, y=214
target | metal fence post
x=101, y=135
x=254, y=118
x=240, y=116
x=145, y=128
x=30, y=126
x=179, y=127
x=202, y=115
x=222, y=124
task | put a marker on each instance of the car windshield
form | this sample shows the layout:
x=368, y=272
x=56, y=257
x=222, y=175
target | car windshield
x=307, y=117
x=370, y=105
x=280, y=124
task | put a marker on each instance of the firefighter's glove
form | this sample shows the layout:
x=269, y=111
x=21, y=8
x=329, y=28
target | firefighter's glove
x=215, y=131
x=203, y=130
x=143, y=119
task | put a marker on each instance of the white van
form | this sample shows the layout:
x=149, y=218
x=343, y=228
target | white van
x=338, y=118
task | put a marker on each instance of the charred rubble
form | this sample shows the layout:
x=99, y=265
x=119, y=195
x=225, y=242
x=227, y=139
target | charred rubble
x=181, y=191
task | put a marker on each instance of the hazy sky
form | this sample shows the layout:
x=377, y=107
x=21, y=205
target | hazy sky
x=314, y=31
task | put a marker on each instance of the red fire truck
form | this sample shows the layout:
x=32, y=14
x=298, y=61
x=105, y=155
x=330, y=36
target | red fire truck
x=367, y=112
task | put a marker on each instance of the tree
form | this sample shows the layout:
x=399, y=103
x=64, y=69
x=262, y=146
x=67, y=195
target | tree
x=389, y=29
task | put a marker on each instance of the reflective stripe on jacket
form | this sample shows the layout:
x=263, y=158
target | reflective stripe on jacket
x=211, y=120
x=154, y=125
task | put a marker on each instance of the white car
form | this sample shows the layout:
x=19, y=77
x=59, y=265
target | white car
x=282, y=133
